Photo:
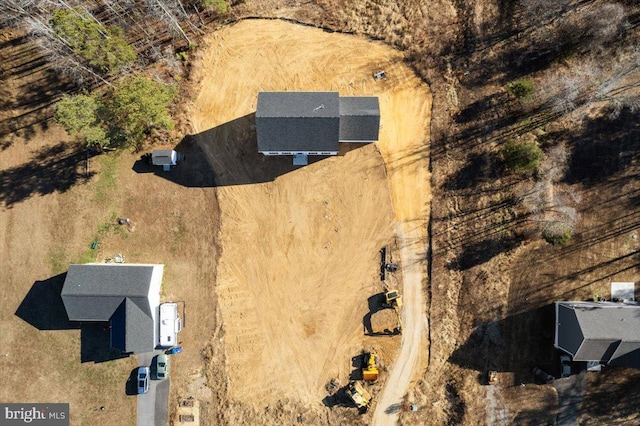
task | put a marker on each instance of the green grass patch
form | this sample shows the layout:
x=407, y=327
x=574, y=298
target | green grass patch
x=107, y=180
x=58, y=261
x=178, y=233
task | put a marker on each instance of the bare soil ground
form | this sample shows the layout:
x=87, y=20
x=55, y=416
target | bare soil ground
x=300, y=247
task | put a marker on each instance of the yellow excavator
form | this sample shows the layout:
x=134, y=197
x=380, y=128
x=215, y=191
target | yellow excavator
x=370, y=367
x=358, y=394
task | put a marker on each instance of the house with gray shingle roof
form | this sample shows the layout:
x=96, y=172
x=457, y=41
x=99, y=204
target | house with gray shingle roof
x=603, y=332
x=125, y=295
x=313, y=123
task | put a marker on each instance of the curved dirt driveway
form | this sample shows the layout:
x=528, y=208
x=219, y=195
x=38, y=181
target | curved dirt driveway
x=407, y=162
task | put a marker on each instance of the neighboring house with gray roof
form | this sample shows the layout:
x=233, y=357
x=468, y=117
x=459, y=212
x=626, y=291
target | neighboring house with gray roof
x=313, y=123
x=604, y=332
x=125, y=295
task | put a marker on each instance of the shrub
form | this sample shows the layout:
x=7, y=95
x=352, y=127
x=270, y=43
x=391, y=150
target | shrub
x=521, y=157
x=557, y=233
x=521, y=89
x=219, y=5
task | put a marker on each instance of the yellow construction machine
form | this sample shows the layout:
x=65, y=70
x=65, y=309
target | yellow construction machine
x=358, y=394
x=393, y=299
x=370, y=367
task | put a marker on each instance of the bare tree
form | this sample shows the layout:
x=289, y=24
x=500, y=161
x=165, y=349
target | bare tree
x=164, y=11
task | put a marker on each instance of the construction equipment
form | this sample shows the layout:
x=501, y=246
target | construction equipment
x=492, y=377
x=370, y=367
x=393, y=299
x=358, y=394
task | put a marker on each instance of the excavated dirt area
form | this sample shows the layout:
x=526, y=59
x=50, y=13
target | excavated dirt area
x=300, y=245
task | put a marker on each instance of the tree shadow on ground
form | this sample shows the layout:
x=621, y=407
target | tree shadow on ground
x=604, y=148
x=54, y=169
x=40, y=86
x=44, y=309
x=480, y=167
x=477, y=253
x=514, y=344
x=613, y=394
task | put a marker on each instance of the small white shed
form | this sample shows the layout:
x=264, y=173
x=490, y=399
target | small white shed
x=165, y=158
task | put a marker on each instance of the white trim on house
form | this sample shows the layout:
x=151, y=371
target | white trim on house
x=299, y=152
x=154, y=295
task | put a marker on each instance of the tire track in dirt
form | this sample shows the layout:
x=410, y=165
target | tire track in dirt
x=407, y=163
x=414, y=325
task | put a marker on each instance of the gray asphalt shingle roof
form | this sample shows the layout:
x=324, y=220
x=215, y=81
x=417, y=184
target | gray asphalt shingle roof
x=314, y=121
x=297, y=121
x=604, y=332
x=116, y=293
x=359, y=118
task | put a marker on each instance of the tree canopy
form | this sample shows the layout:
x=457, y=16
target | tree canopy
x=136, y=105
x=104, y=48
x=122, y=117
x=79, y=116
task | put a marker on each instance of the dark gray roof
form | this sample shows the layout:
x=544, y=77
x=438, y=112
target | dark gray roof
x=568, y=334
x=314, y=121
x=298, y=104
x=606, y=332
x=113, y=292
x=130, y=328
x=359, y=118
x=160, y=157
x=297, y=121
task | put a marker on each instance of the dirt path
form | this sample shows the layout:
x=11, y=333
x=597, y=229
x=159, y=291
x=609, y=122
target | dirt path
x=414, y=324
x=497, y=413
x=407, y=160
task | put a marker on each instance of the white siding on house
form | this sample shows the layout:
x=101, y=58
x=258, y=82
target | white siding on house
x=299, y=153
x=154, y=296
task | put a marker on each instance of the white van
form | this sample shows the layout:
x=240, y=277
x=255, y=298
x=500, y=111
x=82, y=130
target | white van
x=170, y=325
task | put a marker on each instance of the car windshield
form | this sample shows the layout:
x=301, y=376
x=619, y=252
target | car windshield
x=141, y=383
x=143, y=375
x=162, y=364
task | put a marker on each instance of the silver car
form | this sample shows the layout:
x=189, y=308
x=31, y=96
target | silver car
x=143, y=379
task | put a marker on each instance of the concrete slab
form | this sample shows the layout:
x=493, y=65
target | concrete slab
x=624, y=291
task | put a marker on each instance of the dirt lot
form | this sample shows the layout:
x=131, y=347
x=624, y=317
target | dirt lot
x=300, y=247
